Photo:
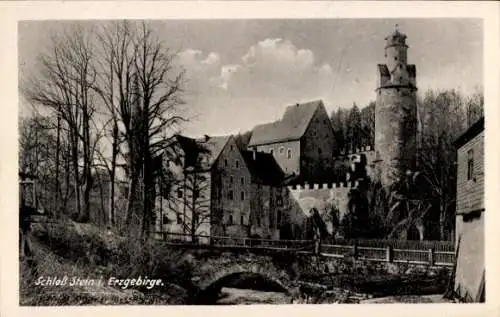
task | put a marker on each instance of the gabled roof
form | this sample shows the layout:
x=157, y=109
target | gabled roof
x=470, y=133
x=264, y=167
x=291, y=127
x=205, y=150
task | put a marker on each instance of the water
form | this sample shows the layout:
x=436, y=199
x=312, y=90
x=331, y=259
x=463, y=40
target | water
x=238, y=296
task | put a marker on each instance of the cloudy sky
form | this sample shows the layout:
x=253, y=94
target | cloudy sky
x=245, y=72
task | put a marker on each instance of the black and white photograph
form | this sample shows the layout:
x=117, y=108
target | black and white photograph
x=251, y=161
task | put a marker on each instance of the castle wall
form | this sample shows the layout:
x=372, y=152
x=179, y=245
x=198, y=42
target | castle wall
x=395, y=131
x=320, y=196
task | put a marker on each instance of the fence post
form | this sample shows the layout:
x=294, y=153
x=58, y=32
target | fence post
x=388, y=254
x=431, y=256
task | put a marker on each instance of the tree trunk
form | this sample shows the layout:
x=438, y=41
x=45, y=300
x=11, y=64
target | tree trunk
x=57, y=204
x=111, y=216
x=74, y=159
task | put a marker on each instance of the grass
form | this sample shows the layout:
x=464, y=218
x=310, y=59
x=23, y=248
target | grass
x=85, y=251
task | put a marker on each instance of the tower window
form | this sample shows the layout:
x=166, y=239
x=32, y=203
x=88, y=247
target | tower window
x=165, y=220
x=225, y=163
x=289, y=153
x=242, y=195
x=282, y=150
x=230, y=220
x=230, y=195
x=242, y=181
x=470, y=164
x=237, y=164
x=231, y=179
x=242, y=220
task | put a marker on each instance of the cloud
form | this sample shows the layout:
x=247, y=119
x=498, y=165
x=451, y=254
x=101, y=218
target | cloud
x=274, y=68
x=256, y=87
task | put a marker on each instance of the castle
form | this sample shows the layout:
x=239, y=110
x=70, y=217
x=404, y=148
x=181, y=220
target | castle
x=292, y=165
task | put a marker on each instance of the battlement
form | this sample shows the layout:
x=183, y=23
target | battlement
x=307, y=186
x=361, y=150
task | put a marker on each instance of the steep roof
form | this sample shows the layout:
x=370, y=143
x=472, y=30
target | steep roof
x=291, y=127
x=264, y=167
x=208, y=147
x=470, y=133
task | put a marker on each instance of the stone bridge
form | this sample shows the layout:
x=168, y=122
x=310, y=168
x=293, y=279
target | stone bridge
x=214, y=271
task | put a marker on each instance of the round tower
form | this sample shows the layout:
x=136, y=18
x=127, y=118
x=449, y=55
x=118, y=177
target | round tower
x=395, y=111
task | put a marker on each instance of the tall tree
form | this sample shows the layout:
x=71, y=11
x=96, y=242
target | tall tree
x=368, y=124
x=63, y=84
x=354, y=130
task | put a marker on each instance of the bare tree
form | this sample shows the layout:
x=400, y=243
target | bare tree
x=142, y=88
x=63, y=84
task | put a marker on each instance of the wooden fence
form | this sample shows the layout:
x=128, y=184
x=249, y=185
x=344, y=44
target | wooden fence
x=439, y=253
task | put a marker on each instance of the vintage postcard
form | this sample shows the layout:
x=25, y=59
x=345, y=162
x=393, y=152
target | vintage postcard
x=283, y=159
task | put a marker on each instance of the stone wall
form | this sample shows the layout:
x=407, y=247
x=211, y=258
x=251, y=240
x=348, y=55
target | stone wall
x=320, y=196
x=395, y=131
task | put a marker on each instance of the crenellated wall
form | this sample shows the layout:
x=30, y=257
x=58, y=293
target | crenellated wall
x=302, y=198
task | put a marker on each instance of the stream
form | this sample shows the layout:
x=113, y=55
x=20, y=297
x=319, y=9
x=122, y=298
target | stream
x=236, y=296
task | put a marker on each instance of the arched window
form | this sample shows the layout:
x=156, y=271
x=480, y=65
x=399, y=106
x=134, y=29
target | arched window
x=289, y=153
x=282, y=150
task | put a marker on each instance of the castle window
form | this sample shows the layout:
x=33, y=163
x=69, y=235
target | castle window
x=231, y=147
x=282, y=150
x=230, y=220
x=395, y=58
x=289, y=153
x=230, y=195
x=165, y=219
x=237, y=164
x=470, y=164
x=179, y=193
x=243, y=181
x=319, y=151
x=258, y=221
x=242, y=220
x=231, y=179
x=225, y=163
x=242, y=195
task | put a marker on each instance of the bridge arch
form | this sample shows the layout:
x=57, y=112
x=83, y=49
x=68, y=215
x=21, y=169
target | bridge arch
x=212, y=283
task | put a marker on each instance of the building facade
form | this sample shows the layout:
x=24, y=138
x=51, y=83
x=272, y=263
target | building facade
x=469, y=275
x=302, y=141
x=215, y=189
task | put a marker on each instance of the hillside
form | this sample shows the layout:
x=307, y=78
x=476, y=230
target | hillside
x=86, y=252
